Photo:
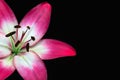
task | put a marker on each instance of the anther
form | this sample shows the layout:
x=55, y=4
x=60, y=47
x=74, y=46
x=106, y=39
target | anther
x=28, y=27
x=17, y=26
x=33, y=38
x=17, y=43
x=27, y=47
x=10, y=34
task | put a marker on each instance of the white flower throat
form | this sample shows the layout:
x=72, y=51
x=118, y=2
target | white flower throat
x=18, y=45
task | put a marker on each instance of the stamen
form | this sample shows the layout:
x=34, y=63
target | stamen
x=23, y=34
x=33, y=38
x=17, y=26
x=27, y=29
x=27, y=47
x=10, y=34
x=17, y=43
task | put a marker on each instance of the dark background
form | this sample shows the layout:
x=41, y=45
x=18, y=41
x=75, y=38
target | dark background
x=87, y=26
x=67, y=23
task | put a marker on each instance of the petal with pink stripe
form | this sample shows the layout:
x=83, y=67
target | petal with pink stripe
x=6, y=67
x=30, y=66
x=7, y=18
x=50, y=49
x=38, y=19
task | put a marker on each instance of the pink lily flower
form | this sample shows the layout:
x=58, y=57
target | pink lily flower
x=21, y=47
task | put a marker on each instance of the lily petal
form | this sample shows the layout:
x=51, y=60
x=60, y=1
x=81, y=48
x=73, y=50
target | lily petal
x=7, y=18
x=4, y=46
x=30, y=66
x=38, y=19
x=50, y=49
x=6, y=67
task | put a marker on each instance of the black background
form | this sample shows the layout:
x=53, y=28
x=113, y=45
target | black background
x=87, y=26
x=66, y=24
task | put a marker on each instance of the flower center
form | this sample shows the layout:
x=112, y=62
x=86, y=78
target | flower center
x=17, y=46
